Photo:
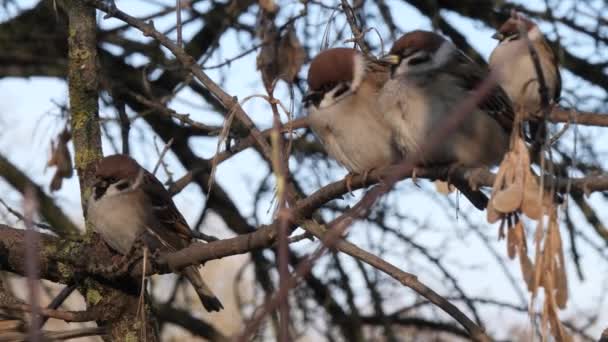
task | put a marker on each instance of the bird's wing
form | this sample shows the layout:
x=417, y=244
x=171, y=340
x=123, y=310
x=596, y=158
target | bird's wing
x=171, y=226
x=555, y=62
x=496, y=103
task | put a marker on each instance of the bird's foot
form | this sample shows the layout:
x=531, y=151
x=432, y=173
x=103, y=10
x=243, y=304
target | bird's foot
x=415, y=176
x=366, y=175
x=453, y=172
x=349, y=182
x=350, y=175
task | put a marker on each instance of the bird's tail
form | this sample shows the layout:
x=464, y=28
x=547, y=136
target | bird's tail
x=209, y=300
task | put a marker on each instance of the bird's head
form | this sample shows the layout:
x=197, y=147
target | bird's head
x=510, y=29
x=334, y=75
x=115, y=174
x=418, y=52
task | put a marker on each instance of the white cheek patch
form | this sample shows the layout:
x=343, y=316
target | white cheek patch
x=113, y=190
x=403, y=67
x=443, y=54
x=327, y=101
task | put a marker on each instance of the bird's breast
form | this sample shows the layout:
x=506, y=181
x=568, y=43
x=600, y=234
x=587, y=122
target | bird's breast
x=354, y=133
x=408, y=112
x=119, y=219
x=517, y=74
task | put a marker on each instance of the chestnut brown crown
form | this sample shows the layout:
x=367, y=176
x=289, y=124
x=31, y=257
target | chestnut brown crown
x=330, y=67
x=417, y=40
x=117, y=167
x=511, y=26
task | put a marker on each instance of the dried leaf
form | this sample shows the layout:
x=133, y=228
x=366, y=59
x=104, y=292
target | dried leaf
x=509, y=199
x=527, y=270
x=501, y=230
x=561, y=280
x=282, y=55
x=291, y=55
x=269, y=6
x=557, y=329
x=492, y=214
x=532, y=204
x=512, y=243
x=60, y=158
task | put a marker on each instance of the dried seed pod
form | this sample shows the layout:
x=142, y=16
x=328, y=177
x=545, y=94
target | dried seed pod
x=532, y=202
x=508, y=196
x=282, y=55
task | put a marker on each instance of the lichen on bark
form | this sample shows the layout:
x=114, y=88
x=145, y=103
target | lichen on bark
x=115, y=309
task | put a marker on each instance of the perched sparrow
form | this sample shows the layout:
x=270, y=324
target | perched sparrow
x=343, y=112
x=515, y=67
x=127, y=203
x=429, y=78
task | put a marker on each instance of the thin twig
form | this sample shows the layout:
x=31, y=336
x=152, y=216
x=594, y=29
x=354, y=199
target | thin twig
x=178, y=25
x=183, y=118
x=162, y=155
x=232, y=59
x=19, y=216
x=359, y=37
x=58, y=300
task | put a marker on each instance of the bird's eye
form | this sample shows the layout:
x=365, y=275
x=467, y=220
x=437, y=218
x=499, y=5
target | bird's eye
x=343, y=88
x=419, y=60
x=514, y=36
x=122, y=185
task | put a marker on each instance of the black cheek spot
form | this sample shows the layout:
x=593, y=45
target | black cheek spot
x=122, y=186
x=316, y=100
x=343, y=89
x=100, y=190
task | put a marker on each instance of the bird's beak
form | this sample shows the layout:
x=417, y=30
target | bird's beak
x=498, y=36
x=391, y=59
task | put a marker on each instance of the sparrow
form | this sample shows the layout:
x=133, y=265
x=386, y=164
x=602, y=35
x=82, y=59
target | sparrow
x=128, y=203
x=517, y=74
x=429, y=78
x=343, y=113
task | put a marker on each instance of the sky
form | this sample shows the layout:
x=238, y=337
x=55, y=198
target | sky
x=29, y=119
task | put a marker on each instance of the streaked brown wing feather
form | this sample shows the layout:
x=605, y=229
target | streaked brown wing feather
x=164, y=209
x=497, y=103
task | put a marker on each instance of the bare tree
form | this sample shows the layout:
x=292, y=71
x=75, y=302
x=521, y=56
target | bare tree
x=390, y=262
